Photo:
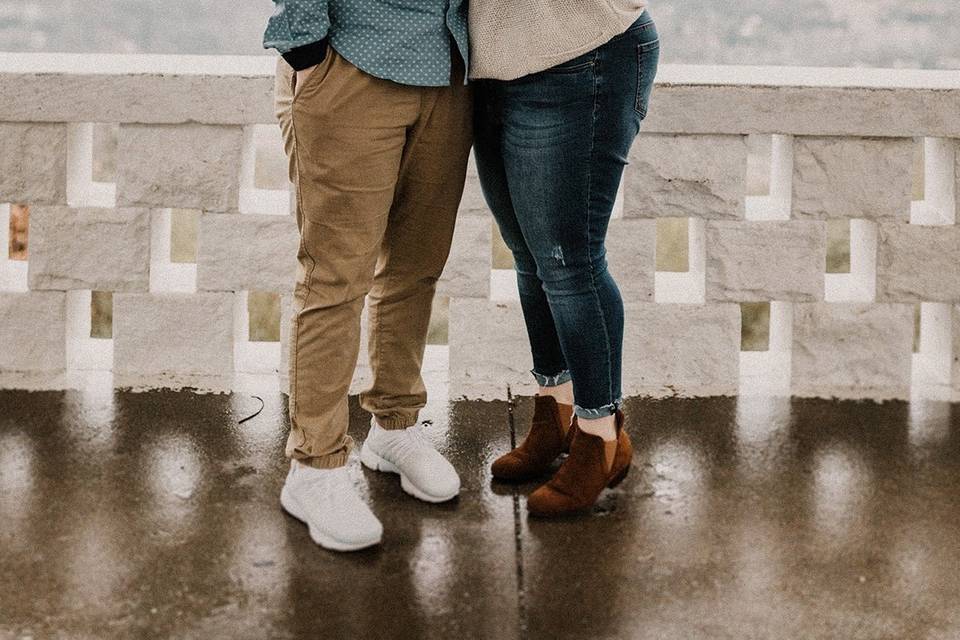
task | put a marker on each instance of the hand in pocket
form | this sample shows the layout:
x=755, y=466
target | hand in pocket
x=302, y=76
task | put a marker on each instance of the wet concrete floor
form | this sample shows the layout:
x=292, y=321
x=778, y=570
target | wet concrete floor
x=155, y=515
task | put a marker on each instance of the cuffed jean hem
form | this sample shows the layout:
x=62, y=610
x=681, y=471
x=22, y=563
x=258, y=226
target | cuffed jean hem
x=391, y=423
x=594, y=414
x=552, y=381
x=331, y=461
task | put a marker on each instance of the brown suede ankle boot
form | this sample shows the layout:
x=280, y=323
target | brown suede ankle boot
x=583, y=475
x=544, y=442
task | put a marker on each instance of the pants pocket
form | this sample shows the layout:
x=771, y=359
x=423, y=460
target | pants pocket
x=648, y=59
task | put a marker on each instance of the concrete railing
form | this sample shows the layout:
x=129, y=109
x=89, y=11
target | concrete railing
x=836, y=145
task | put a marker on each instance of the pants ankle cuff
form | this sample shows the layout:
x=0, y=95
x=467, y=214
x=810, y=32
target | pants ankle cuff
x=332, y=461
x=605, y=411
x=552, y=380
x=392, y=423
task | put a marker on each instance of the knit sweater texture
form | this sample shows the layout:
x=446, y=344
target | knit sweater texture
x=513, y=38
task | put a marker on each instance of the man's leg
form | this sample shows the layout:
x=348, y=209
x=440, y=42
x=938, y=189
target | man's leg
x=349, y=133
x=415, y=250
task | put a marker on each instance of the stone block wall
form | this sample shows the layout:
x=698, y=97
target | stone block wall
x=188, y=139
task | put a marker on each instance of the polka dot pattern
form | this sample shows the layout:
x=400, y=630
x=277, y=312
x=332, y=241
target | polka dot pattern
x=407, y=41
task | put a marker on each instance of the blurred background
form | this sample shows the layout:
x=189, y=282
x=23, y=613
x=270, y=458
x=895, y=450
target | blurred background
x=874, y=33
x=848, y=33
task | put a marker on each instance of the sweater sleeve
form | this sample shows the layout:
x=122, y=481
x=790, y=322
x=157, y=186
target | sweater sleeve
x=297, y=23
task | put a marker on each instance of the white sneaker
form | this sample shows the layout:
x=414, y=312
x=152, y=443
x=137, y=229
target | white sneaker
x=327, y=501
x=424, y=473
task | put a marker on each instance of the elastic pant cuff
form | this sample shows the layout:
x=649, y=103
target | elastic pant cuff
x=332, y=461
x=395, y=422
x=552, y=380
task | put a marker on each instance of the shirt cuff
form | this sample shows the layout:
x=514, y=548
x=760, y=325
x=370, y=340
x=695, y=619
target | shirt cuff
x=306, y=56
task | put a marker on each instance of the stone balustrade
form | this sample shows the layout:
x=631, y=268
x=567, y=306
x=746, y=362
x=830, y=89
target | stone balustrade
x=831, y=148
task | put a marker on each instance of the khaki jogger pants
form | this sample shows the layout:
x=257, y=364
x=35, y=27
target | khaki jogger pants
x=379, y=169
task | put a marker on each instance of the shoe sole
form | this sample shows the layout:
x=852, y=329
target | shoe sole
x=292, y=506
x=374, y=462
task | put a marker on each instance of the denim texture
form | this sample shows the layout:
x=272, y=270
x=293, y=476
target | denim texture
x=550, y=149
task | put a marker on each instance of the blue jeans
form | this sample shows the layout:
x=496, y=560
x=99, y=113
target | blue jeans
x=550, y=149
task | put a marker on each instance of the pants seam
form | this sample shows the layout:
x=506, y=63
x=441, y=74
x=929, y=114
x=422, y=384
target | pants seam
x=589, y=216
x=309, y=275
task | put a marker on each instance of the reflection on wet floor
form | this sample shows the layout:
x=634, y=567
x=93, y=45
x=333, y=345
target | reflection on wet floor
x=155, y=515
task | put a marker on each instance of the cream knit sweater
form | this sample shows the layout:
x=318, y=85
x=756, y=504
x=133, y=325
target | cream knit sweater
x=513, y=38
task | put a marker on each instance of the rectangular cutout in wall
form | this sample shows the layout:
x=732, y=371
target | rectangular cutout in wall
x=681, y=287
x=14, y=219
x=255, y=356
x=89, y=331
x=859, y=284
x=766, y=371
x=101, y=315
x=18, y=230
x=935, y=197
x=755, y=326
x=165, y=274
x=933, y=358
x=769, y=177
x=263, y=308
x=838, y=246
x=673, y=245
x=184, y=229
x=264, y=172
x=89, y=148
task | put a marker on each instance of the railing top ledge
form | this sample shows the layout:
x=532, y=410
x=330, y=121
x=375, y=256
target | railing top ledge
x=671, y=74
x=813, y=77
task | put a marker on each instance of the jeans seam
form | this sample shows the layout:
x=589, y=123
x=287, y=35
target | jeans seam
x=593, y=282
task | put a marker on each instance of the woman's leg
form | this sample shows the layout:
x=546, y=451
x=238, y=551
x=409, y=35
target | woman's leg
x=549, y=366
x=566, y=136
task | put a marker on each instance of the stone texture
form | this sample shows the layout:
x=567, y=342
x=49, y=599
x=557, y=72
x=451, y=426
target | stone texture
x=701, y=99
x=467, y=273
x=88, y=248
x=473, y=202
x=955, y=352
x=681, y=349
x=32, y=335
x=489, y=349
x=33, y=165
x=712, y=105
x=763, y=261
x=852, y=178
x=701, y=176
x=246, y=252
x=631, y=257
x=852, y=350
x=286, y=321
x=189, y=166
x=143, y=88
x=956, y=188
x=172, y=338
x=918, y=263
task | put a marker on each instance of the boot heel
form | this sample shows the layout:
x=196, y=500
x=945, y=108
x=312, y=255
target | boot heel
x=617, y=479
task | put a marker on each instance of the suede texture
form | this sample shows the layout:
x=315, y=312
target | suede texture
x=544, y=443
x=583, y=475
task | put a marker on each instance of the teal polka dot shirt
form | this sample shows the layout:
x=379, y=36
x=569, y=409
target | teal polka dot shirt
x=407, y=41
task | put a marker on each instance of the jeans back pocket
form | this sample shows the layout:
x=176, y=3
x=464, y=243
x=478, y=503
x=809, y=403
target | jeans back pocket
x=648, y=59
